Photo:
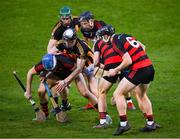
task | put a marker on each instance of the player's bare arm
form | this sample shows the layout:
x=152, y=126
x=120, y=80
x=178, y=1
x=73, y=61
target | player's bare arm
x=30, y=74
x=52, y=44
x=63, y=83
x=125, y=63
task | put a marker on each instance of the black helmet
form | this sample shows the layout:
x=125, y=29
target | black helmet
x=86, y=16
x=69, y=34
x=106, y=30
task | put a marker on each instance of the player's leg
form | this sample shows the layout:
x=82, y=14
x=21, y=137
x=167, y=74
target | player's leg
x=43, y=99
x=93, y=85
x=105, y=119
x=136, y=93
x=65, y=105
x=119, y=94
x=140, y=78
x=146, y=107
x=130, y=104
x=52, y=79
x=84, y=91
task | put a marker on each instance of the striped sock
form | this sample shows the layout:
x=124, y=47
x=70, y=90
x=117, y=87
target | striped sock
x=44, y=107
x=102, y=117
x=123, y=120
x=150, y=119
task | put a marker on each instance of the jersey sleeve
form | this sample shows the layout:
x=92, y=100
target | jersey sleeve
x=88, y=54
x=57, y=32
x=96, y=48
x=118, y=45
x=39, y=67
x=97, y=45
x=83, y=49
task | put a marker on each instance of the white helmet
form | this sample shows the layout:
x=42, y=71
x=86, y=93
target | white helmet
x=69, y=34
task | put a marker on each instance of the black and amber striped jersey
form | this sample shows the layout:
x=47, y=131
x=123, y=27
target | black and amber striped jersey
x=79, y=50
x=123, y=43
x=90, y=34
x=108, y=55
x=59, y=29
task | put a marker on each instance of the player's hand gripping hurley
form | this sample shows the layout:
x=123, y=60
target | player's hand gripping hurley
x=40, y=116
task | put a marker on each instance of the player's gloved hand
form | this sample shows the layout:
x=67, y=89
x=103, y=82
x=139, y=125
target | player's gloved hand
x=60, y=85
x=27, y=95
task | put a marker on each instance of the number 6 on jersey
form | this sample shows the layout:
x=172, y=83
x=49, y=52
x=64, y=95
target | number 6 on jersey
x=133, y=42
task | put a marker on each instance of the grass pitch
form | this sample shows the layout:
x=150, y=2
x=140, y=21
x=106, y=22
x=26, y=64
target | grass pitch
x=25, y=28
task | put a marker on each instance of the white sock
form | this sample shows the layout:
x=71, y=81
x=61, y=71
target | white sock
x=129, y=101
x=150, y=122
x=123, y=123
x=102, y=121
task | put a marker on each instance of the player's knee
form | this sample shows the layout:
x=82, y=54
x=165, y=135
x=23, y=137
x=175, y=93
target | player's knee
x=95, y=92
x=85, y=94
x=102, y=91
x=141, y=96
x=118, y=94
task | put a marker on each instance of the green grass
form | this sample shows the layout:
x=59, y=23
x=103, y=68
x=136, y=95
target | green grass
x=25, y=28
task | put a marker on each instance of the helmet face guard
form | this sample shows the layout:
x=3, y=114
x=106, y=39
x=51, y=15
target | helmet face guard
x=87, y=15
x=69, y=35
x=105, y=33
x=49, y=61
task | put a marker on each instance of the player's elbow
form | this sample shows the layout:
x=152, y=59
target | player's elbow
x=31, y=72
x=127, y=59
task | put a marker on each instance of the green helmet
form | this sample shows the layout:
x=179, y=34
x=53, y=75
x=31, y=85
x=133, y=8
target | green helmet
x=65, y=11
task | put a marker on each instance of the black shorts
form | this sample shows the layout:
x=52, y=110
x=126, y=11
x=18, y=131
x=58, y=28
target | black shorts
x=111, y=79
x=143, y=75
x=119, y=76
x=115, y=78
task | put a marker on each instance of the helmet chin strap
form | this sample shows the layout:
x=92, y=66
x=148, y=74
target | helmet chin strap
x=106, y=40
